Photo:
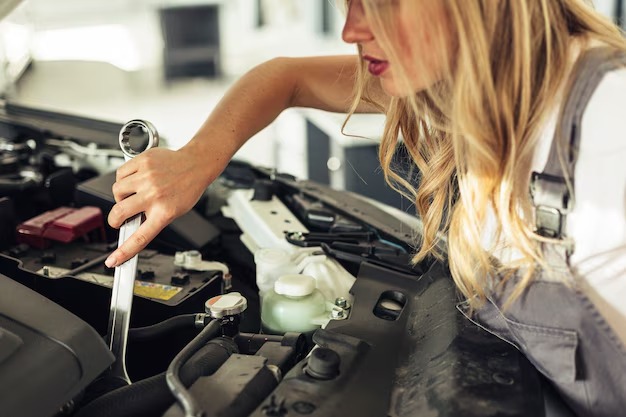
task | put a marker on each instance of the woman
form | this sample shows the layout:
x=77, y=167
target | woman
x=475, y=88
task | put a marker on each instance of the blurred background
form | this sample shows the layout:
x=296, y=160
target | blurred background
x=170, y=61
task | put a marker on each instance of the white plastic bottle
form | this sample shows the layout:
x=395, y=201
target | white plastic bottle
x=294, y=305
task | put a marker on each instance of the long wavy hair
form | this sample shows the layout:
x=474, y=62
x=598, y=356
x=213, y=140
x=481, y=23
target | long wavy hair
x=472, y=133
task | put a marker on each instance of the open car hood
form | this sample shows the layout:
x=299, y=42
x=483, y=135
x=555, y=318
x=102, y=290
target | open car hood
x=7, y=7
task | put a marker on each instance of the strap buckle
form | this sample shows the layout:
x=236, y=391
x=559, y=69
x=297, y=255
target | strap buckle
x=552, y=201
x=549, y=222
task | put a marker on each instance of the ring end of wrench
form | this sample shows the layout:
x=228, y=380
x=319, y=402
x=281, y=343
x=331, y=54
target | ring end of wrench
x=124, y=137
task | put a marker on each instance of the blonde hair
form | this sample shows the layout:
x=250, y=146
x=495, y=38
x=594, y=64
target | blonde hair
x=472, y=133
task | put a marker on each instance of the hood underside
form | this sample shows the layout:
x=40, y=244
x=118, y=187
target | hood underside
x=7, y=6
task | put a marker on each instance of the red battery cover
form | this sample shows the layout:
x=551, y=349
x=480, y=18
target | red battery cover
x=32, y=231
x=75, y=224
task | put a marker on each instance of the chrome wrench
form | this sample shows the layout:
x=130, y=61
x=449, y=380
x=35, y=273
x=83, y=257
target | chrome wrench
x=124, y=278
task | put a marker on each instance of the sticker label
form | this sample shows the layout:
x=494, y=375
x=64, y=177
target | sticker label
x=142, y=288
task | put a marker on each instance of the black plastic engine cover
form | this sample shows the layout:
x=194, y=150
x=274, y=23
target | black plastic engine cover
x=47, y=355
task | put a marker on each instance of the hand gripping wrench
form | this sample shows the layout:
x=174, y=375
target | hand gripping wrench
x=124, y=279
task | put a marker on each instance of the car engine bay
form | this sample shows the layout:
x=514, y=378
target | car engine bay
x=220, y=303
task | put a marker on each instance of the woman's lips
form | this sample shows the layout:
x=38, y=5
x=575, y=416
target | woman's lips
x=376, y=66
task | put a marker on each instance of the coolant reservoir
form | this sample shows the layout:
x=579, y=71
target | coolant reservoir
x=270, y=264
x=294, y=305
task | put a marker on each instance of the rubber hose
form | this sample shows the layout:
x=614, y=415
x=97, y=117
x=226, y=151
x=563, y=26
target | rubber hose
x=159, y=329
x=172, y=375
x=152, y=397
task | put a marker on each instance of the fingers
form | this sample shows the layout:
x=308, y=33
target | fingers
x=125, y=209
x=138, y=173
x=136, y=242
x=128, y=168
x=150, y=183
x=125, y=187
x=147, y=160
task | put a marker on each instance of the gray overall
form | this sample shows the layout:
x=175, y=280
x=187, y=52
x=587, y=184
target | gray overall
x=555, y=325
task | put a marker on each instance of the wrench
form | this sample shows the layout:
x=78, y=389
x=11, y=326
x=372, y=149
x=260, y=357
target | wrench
x=124, y=278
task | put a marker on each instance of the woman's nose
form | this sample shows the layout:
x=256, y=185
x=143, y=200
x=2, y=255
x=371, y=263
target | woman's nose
x=356, y=29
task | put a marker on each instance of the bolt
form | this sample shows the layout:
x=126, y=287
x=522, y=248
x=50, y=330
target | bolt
x=227, y=283
x=341, y=302
x=200, y=319
x=337, y=314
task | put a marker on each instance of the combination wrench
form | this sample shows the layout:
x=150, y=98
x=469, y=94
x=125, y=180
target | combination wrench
x=124, y=278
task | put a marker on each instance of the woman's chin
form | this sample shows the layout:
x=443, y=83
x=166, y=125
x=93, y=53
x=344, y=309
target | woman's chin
x=391, y=88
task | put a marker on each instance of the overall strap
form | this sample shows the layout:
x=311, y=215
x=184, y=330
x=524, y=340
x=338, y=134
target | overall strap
x=552, y=189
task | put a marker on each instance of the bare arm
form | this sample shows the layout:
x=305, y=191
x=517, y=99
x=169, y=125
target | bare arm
x=327, y=83
x=166, y=184
x=324, y=83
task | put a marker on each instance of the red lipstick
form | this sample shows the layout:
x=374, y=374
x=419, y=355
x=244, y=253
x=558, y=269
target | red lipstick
x=376, y=66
